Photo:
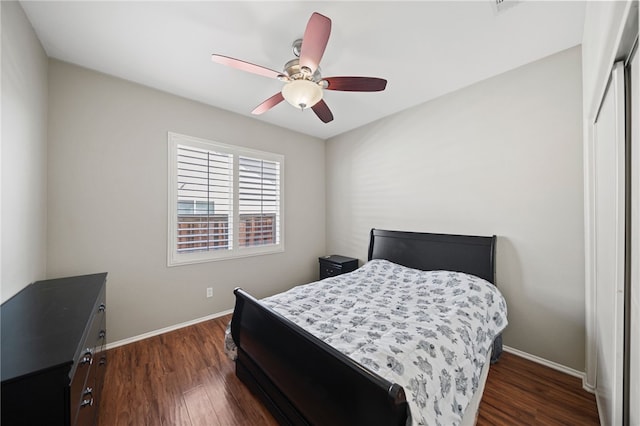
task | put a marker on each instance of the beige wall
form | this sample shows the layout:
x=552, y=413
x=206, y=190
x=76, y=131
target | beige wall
x=23, y=219
x=503, y=157
x=108, y=200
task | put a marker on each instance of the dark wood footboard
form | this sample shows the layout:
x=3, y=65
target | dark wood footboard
x=303, y=380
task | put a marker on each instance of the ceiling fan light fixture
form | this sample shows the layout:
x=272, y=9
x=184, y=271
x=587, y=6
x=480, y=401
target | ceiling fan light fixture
x=302, y=93
x=303, y=83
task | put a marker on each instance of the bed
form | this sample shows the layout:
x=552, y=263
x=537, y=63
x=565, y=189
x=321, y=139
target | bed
x=302, y=353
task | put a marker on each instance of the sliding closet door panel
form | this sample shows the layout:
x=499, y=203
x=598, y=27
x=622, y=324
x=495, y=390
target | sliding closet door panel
x=609, y=194
x=634, y=344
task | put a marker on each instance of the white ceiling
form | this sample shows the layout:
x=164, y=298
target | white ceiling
x=424, y=49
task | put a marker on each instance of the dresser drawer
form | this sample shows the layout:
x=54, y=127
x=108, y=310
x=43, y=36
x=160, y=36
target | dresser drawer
x=83, y=393
x=78, y=383
x=90, y=393
x=89, y=399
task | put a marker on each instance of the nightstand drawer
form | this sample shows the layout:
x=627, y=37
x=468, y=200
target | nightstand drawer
x=333, y=265
x=329, y=270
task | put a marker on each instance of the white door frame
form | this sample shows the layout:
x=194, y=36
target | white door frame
x=606, y=154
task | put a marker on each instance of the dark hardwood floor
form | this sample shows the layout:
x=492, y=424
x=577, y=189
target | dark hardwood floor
x=184, y=378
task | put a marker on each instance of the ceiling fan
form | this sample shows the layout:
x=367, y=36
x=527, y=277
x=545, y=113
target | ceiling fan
x=303, y=85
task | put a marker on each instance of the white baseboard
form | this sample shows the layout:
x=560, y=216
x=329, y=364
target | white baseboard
x=166, y=329
x=586, y=386
x=559, y=367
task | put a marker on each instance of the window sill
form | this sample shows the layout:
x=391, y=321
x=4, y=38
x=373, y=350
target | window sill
x=214, y=256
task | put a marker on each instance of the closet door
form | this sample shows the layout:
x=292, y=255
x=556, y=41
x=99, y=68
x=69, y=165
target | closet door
x=634, y=331
x=609, y=228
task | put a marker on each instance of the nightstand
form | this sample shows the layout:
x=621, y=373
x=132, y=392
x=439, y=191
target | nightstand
x=333, y=265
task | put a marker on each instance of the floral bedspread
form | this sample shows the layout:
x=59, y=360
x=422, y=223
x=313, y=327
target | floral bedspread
x=428, y=331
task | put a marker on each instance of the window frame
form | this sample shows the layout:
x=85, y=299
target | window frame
x=174, y=258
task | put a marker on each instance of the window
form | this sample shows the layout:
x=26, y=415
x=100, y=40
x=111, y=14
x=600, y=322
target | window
x=224, y=201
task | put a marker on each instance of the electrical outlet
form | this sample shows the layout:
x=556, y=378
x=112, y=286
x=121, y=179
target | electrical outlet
x=209, y=292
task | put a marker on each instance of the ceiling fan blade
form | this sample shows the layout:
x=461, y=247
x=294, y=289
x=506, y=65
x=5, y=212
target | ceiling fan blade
x=322, y=111
x=245, y=66
x=356, y=84
x=314, y=41
x=268, y=104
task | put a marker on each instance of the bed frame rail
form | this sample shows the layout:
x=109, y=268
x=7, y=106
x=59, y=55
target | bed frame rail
x=313, y=384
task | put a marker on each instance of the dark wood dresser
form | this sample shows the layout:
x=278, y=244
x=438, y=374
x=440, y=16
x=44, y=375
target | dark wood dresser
x=53, y=358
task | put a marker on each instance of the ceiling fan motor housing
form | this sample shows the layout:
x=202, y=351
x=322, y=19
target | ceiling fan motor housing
x=296, y=72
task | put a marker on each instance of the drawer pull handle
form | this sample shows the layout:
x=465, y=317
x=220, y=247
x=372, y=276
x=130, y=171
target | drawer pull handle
x=103, y=360
x=86, y=402
x=87, y=391
x=87, y=358
x=102, y=307
x=102, y=334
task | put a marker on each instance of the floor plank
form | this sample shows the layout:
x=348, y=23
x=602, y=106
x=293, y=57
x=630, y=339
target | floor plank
x=521, y=392
x=200, y=408
x=184, y=378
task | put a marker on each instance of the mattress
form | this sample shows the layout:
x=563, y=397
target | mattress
x=429, y=331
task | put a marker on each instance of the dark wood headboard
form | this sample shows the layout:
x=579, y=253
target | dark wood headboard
x=461, y=253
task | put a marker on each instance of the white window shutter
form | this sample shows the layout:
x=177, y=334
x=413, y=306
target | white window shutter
x=224, y=201
x=204, y=205
x=258, y=202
